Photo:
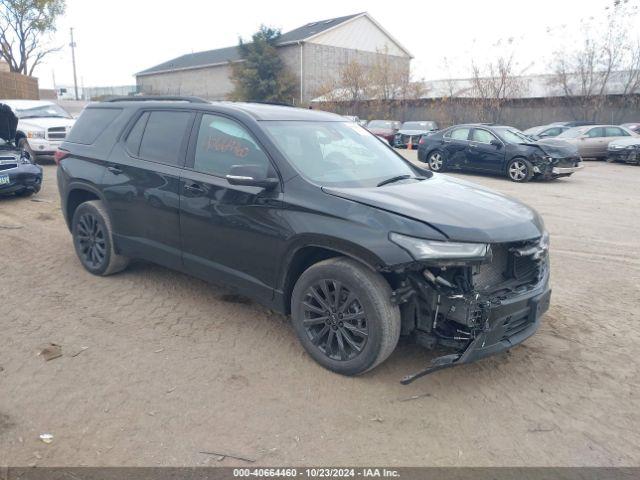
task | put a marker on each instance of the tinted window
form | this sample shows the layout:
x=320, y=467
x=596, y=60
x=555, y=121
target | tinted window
x=595, y=132
x=482, y=136
x=163, y=136
x=552, y=132
x=615, y=132
x=460, y=134
x=135, y=135
x=336, y=153
x=223, y=143
x=92, y=122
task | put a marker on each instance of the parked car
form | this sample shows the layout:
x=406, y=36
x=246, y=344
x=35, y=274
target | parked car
x=593, y=141
x=574, y=123
x=634, y=127
x=384, y=128
x=625, y=150
x=410, y=133
x=497, y=149
x=42, y=126
x=312, y=216
x=18, y=174
x=545, y=131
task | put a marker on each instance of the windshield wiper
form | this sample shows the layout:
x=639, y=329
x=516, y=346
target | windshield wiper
x=394, y=179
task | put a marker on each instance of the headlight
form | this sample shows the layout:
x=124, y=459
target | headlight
x=422, y=249
x=545, y=241
x=35, y=134
x=616, y=147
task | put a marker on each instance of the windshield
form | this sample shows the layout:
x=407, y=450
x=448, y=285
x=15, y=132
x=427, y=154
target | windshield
x=417, y=126
x=512, y=135
x=534, y=130
x=380, y=124
x=573, y=132
x=42, y=111
x=338, y=154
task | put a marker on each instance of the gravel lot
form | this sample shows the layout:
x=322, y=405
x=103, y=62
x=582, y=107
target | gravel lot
x=175, y=366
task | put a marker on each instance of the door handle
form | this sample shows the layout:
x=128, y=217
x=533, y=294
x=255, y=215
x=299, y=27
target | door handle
x=114, y=170
x=194, y=188
x=472, y=145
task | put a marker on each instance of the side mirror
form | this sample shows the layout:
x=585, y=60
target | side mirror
x=496, y=143
x=251, y=176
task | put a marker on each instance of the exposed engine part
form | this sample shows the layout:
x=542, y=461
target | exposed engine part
x=450, y=306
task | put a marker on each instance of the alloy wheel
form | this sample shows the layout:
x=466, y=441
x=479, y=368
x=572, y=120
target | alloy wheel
x=91, y=240
x=335, y=320
x=435, y=161
x=517, y=170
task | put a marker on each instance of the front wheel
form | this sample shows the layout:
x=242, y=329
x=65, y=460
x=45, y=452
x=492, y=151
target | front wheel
x=519, y=170
x=342, y=313
x=436, y=161
x=23, y=144
x=93, y=239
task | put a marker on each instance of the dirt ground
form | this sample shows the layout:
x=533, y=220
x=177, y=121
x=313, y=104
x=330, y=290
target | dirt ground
x=175, y=366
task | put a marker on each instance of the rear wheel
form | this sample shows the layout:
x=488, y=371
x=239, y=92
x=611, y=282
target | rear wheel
x=519, y=170
x=342, y=313
x=93, y=241
x=436, y=161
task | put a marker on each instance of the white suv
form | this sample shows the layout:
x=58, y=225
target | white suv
x=42, y=125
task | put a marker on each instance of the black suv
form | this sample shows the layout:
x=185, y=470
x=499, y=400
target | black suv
x=312, y=216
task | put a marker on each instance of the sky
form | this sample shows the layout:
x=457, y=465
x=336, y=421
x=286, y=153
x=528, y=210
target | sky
x=117, y=38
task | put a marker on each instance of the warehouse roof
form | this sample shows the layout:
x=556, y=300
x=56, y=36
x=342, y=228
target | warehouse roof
x=230, y=54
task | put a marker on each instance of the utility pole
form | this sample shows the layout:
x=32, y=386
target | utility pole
x=73, y=60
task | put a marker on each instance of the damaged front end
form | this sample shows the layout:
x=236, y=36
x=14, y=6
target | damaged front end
x=477, y=301
x=554, y=159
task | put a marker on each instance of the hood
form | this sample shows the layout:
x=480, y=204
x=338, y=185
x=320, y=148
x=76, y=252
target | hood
x=462, y=211
x=8, y=123
x=625, y=142
x=556, y=148
x=413, y=132
x=46, y=122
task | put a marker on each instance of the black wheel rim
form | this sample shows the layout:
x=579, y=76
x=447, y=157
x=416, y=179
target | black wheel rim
x=335, y=320
x=91, y=239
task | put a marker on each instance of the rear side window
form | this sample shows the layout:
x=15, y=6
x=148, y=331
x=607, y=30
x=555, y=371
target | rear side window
x=460, y=134
x=135, y=135
x=615, y=132
x=91, y=123
x=163, y=136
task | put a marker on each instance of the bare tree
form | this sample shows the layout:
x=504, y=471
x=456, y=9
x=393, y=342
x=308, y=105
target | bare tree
x=493, y=85
x=607, y=61
x=24, y=27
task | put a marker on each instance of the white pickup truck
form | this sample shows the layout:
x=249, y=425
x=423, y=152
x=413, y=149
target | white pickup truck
x=42, y=126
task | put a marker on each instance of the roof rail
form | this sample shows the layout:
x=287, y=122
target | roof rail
x=157, y=98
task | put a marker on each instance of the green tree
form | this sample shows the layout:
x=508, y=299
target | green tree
x=24, y=27
x=262, y=76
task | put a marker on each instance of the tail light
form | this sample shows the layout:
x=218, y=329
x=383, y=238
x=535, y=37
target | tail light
x=60, y=155
x=421, y=141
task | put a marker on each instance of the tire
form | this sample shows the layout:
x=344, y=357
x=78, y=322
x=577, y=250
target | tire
x=436, y=161
x=23, y=144
x=93, y=240
x=364, y=304
x=519, y=170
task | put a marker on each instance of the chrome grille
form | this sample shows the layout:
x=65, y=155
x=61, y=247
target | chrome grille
x=57, y=133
